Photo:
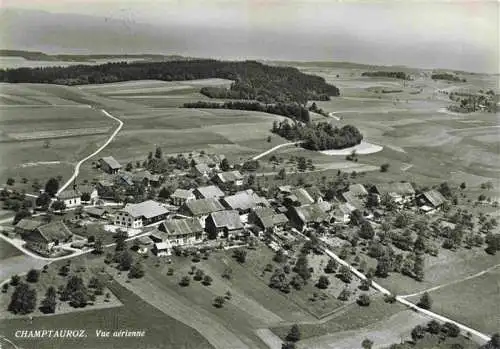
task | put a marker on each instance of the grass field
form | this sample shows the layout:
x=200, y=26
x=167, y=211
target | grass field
x=7, y=250
x=136, y=315
x=475, y=302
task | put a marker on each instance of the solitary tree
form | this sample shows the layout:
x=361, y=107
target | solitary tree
x=49, y=302
x=59, y=205
x=136, y=271
x=98, y=247
x=294, y=334
x=331, y=266
x=417, y=333
x=219, y=301
x=323, y=282
x=425, y=301
x=52, y=186
x=367, y=344
x=33, y=276
x=364, y=300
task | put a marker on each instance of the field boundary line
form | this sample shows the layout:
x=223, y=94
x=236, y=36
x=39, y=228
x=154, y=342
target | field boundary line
x=435, y=288
x=77, y=166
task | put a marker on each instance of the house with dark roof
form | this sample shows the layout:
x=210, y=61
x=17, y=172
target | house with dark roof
x=146, y=178
x=96, y=212
x=307, y=215
x=228, y=179
x=298, y=197
x=124, y=178
x=432, y=198
x=46, y=238
x=105, y=189
x=267, y=218
x=401, y=192
x=223, y=224
x=139, y=215
x=244, y=201
x=342, y=213
x=201, y=207
x=26, y=225
x=181, y=196
x=356, y=196
x=208, y=192
x=182, y=232
x=109, y=164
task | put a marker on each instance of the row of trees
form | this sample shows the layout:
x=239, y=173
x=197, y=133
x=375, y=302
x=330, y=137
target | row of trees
x=319, y=136
x=253, y=80
x=387, y=74
x=447, y=77
x=291, y=110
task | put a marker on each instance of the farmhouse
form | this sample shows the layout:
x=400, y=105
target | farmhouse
x=298, y=197
x=228, y=179
x=266, y=218
x=70, y=197
x=356, y=196
x=401, y=192
x=208, y=192
x=201, y=207
x=203, y=170
x=181, y=196
x=183, y=231
x=342, y=213
x=105, y=189
x=303, y=216
x=210, y=160
x=223, y=224
x=146, y=178
x=432, y=199
x=140, y=215
x=244, y=201
x=109, y=164
x=124, y=178
x=26, y=225
x=46, y=238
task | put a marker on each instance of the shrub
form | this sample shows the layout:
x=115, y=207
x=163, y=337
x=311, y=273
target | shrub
x=364, y=300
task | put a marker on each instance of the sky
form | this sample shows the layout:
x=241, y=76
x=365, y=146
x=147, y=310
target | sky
x=455, y=34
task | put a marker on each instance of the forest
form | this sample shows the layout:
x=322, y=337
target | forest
x=387, y=74
x=319, y=136
x=293, y=111
x=447, y=77
x=252, y=80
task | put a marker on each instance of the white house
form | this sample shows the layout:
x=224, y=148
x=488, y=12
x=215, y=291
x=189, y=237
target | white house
x=70, y=197
x=139, y=215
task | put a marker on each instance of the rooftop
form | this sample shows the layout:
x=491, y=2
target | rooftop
x=28, y=224
x=229, y=176
x=244, y=200
x=69, y=194
x=311, y=213
x=182, y=193
x=55, y=231
x=211, y=191
x=182, y=226
x=146, y=209
x=227, y=219
x=302, y=196
x=399, y=188
x=204, y=206
x=434, y=197
x=111, y=162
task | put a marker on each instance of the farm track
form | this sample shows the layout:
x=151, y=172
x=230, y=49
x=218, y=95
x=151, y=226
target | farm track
x=110, y=139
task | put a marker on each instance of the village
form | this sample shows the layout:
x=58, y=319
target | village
x=223, y=211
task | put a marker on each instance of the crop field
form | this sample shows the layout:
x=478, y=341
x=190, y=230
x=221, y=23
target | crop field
x=7, y=250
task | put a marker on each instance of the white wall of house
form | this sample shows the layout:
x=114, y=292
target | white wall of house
x=73, y=202
x=123, y=219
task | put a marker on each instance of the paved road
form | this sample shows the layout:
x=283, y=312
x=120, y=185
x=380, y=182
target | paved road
x=77, y=167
